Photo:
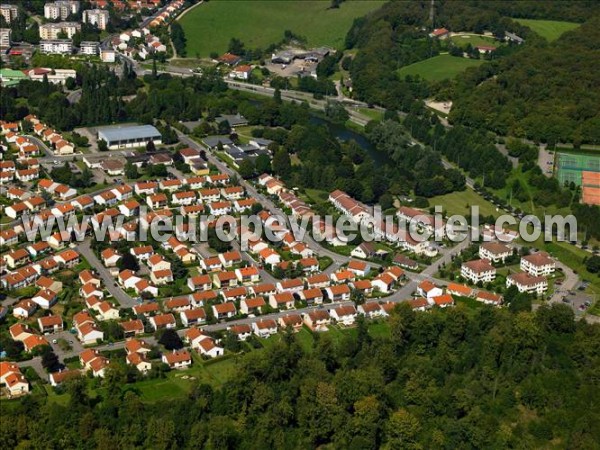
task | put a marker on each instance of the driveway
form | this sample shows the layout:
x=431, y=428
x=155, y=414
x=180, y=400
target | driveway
x=36, y=364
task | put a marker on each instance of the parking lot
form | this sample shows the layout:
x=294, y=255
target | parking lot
x=76, y=347
x=546, y=161
x=579, y=301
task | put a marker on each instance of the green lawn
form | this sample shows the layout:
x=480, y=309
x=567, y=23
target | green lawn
x=371, y=113
x=259, y=23
x=548, y=29
x=379, y=329
x=463, y=40
x=460, y=203
x=470, y=303
x=305, y=339
x=439, y=67
x=316, y=196
x=529, y=206
x=214, y=372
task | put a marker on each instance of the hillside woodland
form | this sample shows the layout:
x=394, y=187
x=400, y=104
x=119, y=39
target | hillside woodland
x=460, y=378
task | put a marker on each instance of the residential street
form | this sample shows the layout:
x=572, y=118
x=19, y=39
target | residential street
x=107, y=279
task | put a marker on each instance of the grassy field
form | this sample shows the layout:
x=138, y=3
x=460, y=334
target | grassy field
x=259, y=23
x=439, y=67
x=371, y=113
x=463, y=40
x=460, y=203
x=548, y=29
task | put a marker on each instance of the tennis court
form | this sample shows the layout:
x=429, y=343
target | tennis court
x=571, y=165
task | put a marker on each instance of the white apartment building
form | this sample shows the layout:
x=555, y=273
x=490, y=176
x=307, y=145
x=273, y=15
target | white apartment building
x=5, y=34
x=538, y=264
x=478, y=270
x=52, y=30
x=9, y=12
x=89, y=48
x=60, y=9
x=98, y=17
x=57, y=46
x=494, y=251
x=527, y=283
x=108, y=55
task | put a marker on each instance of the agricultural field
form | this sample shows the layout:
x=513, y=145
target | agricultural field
x=439, y=67
x=548, y=29
x=260, y=23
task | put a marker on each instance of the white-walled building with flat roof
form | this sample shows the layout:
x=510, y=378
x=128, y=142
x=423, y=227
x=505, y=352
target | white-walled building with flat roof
x=60, y=46
x=129, y=136
x=60, y=9
x=98, y=17
x=89, y=48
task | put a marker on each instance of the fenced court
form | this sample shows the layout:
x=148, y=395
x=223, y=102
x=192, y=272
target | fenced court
x=571, y=165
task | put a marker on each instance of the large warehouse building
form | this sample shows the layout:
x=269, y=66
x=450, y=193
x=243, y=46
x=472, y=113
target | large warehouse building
x=129, y=136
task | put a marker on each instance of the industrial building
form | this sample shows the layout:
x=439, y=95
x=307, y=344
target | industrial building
x=129, y=136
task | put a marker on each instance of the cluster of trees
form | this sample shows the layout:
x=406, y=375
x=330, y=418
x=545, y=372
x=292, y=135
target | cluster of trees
x=174, y=98
x=578, y=11
x=327, y=163
x=592, y=264
x=472, y=150
x=548, y=189
x=101, y=98
x=40, y=96
x=328, y=65
x=527, y=154
x=421, y=168
x=320, y=87
x=88, y=32
x=484, y=378
x=587, y=219
x=178, y=39
x=64, y=174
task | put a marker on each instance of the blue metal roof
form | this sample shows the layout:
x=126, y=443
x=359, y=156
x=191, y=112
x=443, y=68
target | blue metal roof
x=125, y=132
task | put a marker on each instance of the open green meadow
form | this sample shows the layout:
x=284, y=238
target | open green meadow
x=260, y=23
x=439, y=67
x=548, y=29
x=461, y=202
x=462, y=40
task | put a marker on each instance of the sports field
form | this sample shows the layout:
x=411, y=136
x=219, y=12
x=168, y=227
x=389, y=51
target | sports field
x=260, y=23
x=439, y=67
x=548, y=29
x=570, y=166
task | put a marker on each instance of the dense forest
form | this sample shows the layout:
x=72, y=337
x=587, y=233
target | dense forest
x=530, y=93
x=459, y=378
x=524, y=91
x=572, y=11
